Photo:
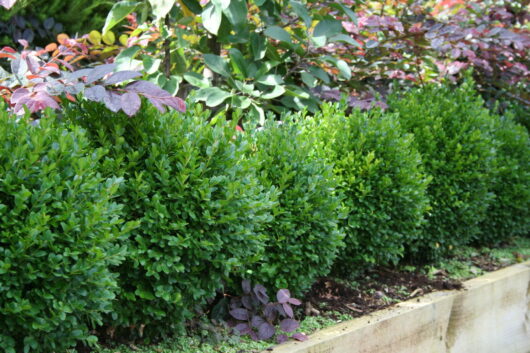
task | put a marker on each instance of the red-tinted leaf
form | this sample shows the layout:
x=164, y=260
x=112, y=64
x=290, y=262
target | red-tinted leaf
x=147, y=89
x=266, y=331
x=4, y=55
x=9, y=50
x=157, y=103
x=240, y=314
x=289, y=325
x=300, y=337
x=288, y=310
x=130, y=103
x=122, y=76
x=283, y=295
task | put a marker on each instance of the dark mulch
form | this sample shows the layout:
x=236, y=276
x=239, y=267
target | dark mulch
x=375, y=289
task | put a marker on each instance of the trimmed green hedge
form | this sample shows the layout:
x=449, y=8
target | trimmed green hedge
x=58, y=232
x=453, y=132
x=381, y=177
x=509, y=213
x=199, y=204
x=303, y=238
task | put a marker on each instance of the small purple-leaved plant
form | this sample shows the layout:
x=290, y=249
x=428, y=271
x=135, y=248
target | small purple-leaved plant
x=262, y=319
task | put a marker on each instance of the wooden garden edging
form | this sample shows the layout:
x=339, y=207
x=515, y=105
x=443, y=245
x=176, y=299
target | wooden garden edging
x=492, y=315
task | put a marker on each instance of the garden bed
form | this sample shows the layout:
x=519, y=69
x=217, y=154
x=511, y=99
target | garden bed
x=491, y=314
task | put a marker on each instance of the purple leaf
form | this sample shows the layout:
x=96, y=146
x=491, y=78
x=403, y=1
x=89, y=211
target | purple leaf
x=235, y=303
x=113, y=101
x=78, y=74
x=270, y=312
x=283, y=296
x=7, y=3
x=253, y=335
x=240, y=314
x=157, y=103
x=247, y=301
x=282, y=338
x=288, y=310
x=99, y=72
x=122, y=76
x=266, y=331
x=147, y=89
x=245, y=284
x=300, y=337
x=19, y=67
x=130, y=103
x=294, y=301
x=18, y=94
x=289, y=325
x=96, y=93
x=33, y=64
x=257, y=321
x=261, y=293
x=243, y=329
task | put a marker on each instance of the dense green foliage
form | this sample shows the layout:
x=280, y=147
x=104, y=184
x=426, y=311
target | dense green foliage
x=452, y=130
x=304, y=225
x=200, y=209
x=509, y=213
x=58, y=228
x=382, y=180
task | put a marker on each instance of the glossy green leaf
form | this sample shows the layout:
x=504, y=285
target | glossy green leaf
x=118, y=12
x=238, y=61
x=196, y=79
x=212, y=96
x=236, y=13
x=211, y=18
x=278, y=33
x=161, y=8
x=301, y=10
x=258, y=46
x=217, y=64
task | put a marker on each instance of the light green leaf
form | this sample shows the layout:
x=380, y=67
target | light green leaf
x=217, y=64
x=309, y=79
x=221, y=4
x=236, y=13
x=213, y=96
x=344, y=69
x=125, y=60
x=257, y=113
x=161, y=7
x=327, y=28
x=344, y=38
x=118, y=12
x=276, y=92
x=151, y=64
x=270, y=80
x=238, y=61
x=241, y=102
x=211, y=18
x=258, y=46
x=278, y=33
x=196, y=79
x=302, y=12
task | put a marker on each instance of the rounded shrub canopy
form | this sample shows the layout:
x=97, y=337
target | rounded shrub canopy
x=303, y=238
x=200, y=209
x=381, y=179
x=509, y=213
x=57, y=237
x=452, y=131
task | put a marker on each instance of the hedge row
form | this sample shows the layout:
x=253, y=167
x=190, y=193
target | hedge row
x=135, y=223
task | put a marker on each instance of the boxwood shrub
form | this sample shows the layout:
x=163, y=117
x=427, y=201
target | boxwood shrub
x=199, y=205
x=509, y=214
x=303, y=238
x=452, y=130
x=381, y=178
x=58, y=231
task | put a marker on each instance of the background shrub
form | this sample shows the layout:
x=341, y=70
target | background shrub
x=57, y=237
x=509, y=213
x=303, y=237
x=200, y=208
x=452, y=131
x=381, y=178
